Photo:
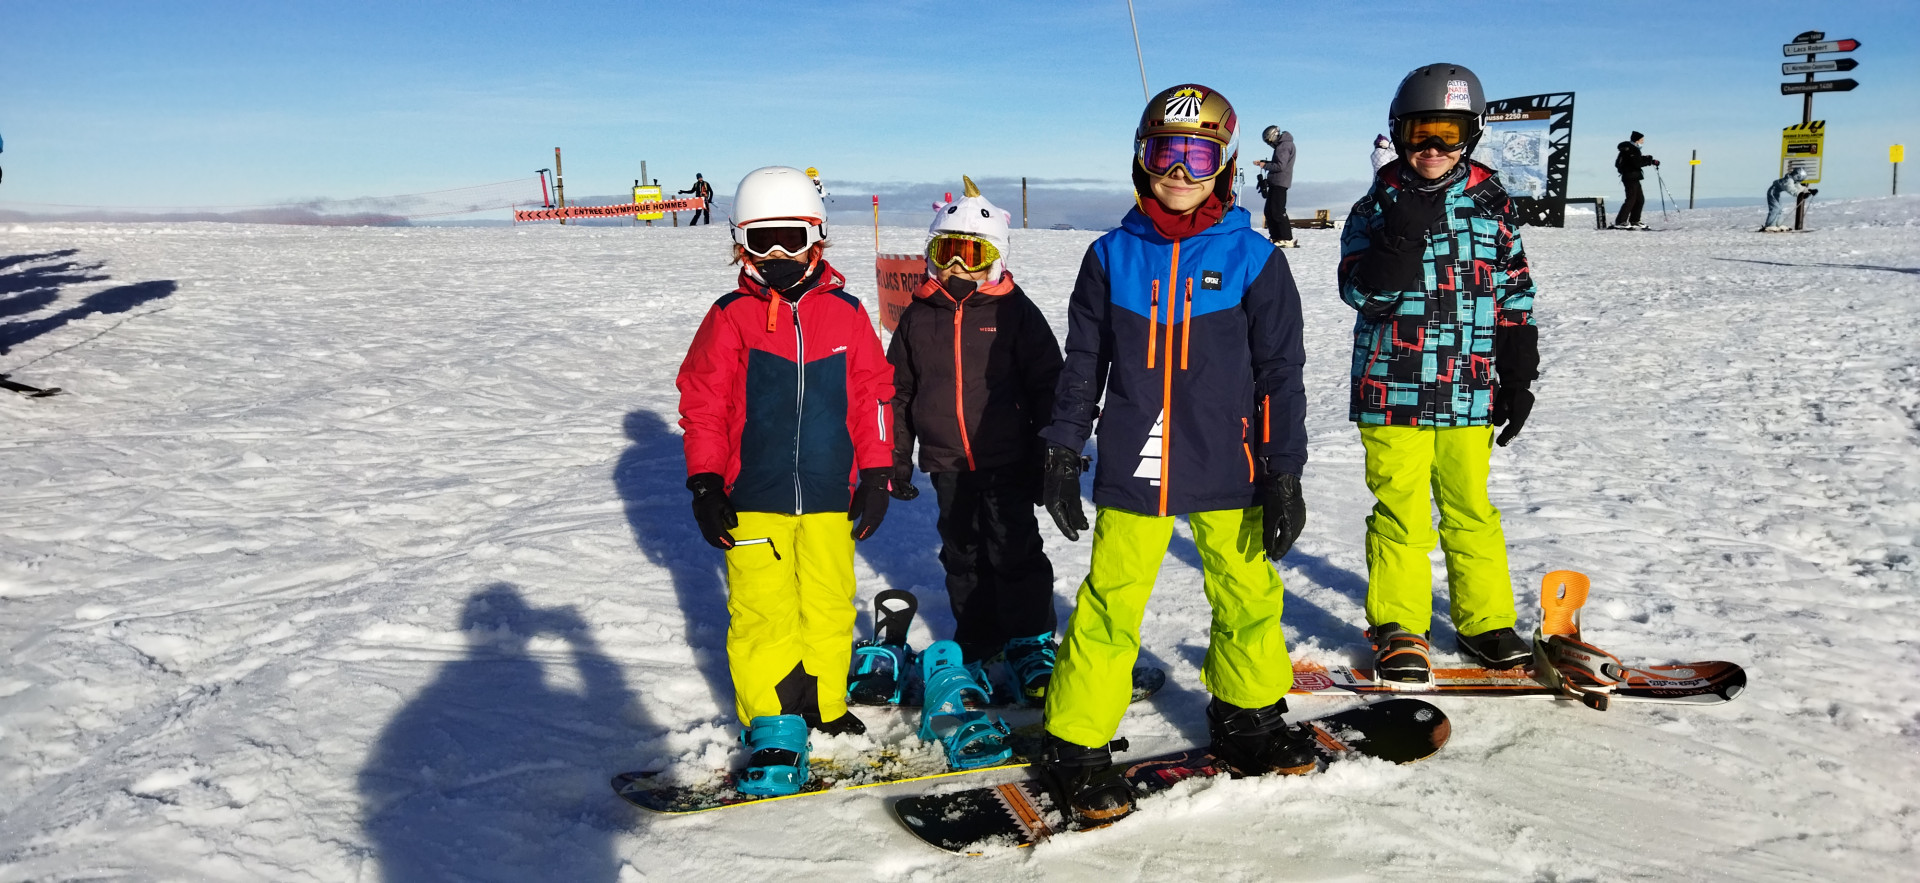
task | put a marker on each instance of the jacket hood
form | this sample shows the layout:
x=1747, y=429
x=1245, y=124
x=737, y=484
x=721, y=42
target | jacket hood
x=1137, y=223
x=1286, y=137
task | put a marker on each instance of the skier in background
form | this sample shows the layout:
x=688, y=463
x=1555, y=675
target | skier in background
x=1383, y=152
x=1432, y=261
x=1629, y=164
x=703, y=191
x=974, y=366
x=813, y=175
x=784, y=399
x=1190, y=327
x=1788, y=185
x=1274, y=184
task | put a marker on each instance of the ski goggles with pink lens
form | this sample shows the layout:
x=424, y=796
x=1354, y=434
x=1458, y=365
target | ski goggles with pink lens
x=1203, y=158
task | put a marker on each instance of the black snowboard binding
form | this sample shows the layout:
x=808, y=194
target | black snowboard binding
x=1083, y=781
x=1258, y=741
x=881, y=665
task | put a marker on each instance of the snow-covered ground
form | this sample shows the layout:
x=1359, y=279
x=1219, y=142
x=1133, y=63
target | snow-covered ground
x=362, y=554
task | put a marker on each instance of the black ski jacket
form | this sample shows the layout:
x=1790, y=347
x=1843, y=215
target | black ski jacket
x=973, y=380
x=1630, y=162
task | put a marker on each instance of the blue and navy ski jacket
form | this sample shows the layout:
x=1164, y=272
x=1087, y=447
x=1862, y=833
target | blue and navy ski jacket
x=1196, y=345
x=1428, y=359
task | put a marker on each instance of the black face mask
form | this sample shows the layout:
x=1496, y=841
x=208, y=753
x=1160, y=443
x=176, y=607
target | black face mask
x=958, y=288
x=781, y=274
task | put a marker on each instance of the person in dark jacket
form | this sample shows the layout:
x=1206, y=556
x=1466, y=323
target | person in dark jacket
x=1444, y=350
x=1274, y=184
x=1629, y=164
x=974, y=366
x=1186, y=320
x=703, y=191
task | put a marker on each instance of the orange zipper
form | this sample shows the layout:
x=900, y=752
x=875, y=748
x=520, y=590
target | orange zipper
x=960, y=386
x=1166, y=390
x=1186, y=327
x=1153, y=322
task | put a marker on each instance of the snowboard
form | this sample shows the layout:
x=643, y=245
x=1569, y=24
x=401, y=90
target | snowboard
x=915, y=762
x=1022, y=813
x=1693, y=683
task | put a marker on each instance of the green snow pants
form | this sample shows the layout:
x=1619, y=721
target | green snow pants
x=1403, y=463
x=1247, y=663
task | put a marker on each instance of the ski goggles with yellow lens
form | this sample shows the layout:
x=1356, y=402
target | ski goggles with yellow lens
x=1203, y=158
x=1445, y=134
x=970, y=252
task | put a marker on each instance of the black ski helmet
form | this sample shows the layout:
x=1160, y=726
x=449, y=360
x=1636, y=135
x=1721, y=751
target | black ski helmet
x=1271, y=135
x=1438, y=90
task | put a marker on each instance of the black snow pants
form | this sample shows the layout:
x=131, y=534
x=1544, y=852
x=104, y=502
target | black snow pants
x=699, y=213
x=1631, y=206
x=1279, y=226
x=999, y=580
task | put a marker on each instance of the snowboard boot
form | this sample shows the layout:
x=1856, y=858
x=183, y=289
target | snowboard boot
x=777, y=764
x=1085, y=784
x=1402, y=660
x=1497, y=648
x=1258, y=741
x=1031, y=660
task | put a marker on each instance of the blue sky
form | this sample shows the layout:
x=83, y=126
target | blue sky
x=247, y=103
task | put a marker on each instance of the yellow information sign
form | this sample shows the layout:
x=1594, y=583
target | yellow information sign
x=1897, y=153
x=648, y=193
x=1801, y=147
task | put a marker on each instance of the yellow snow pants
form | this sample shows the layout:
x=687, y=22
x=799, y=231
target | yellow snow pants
x=789, y=603
x=1247, y=663
x=1403, y=463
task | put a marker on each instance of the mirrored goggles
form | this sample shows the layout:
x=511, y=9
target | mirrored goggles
x=1203, y=158
x=761, y=241
x=970, y=252
x=1445, y=134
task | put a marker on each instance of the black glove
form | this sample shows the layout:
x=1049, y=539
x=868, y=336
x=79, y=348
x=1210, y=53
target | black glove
x=1060, y=490
x=1813, y=192
x=712, y=510
x=869, y=505
x=901, y=484
x=1283, y=512
x=1396, y=260
x=1516, y=356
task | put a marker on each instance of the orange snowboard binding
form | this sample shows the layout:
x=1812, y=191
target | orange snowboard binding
x=1561, y=659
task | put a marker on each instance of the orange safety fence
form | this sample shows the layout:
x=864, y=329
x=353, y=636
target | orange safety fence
x=610, y=211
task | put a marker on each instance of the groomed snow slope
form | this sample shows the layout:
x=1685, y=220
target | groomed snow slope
x=363, y=554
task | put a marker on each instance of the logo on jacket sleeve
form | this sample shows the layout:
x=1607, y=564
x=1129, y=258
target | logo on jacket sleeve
x=1210, y=280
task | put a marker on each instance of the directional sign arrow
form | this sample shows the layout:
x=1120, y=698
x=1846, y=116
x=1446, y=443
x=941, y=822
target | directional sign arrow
x=1819, y=86
x=1815, y=48
x=1815, y=67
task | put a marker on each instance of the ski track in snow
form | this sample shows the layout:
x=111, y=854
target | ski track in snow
x=363, y=554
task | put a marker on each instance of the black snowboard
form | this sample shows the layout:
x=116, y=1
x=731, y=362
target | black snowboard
x=1022, y=813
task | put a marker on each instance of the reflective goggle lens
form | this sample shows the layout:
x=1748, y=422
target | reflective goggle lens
x=762, y=241
x=1446, y=135
x=970, y=252
x=1202, y=157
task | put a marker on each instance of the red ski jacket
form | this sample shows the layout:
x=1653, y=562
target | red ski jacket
x=787, y=399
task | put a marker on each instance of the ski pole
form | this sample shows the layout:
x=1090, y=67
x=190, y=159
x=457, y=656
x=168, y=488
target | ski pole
x=1663, y=192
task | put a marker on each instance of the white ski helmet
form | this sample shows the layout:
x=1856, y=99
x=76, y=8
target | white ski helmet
x=778, y=196
x=972, y=215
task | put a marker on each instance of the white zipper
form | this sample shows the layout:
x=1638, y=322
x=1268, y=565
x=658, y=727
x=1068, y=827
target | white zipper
x=800, y=397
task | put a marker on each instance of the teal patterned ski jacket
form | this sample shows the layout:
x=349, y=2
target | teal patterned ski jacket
x=1428, y=361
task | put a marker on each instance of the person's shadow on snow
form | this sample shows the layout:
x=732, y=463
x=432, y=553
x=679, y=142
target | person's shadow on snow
x=500, y=768
x=651, y=479
x=29, y=283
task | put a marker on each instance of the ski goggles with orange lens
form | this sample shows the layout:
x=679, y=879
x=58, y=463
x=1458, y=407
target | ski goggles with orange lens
x=763, y=241
x=1445, y=134
x=1203, y=158
x=971, y=252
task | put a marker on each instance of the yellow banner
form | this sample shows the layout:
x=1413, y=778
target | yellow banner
x=646, y=193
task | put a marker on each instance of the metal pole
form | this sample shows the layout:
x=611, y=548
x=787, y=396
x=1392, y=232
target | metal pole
x=1693, y=173
x=1144, y=93
x=1896, y=179
x=559, y=183
x=1023, y=193
x=1806, y=117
